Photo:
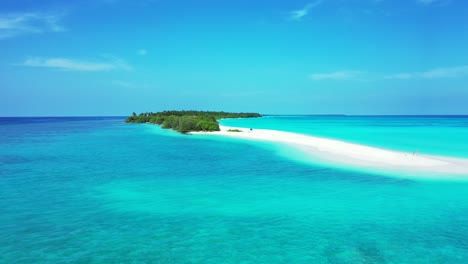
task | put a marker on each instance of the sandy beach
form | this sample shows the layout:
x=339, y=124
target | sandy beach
x=349, y=154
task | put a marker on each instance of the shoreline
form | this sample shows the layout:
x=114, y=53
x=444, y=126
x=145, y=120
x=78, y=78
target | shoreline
x=340, y=153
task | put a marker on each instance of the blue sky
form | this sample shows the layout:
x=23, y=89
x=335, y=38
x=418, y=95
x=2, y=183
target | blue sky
x=113, y=57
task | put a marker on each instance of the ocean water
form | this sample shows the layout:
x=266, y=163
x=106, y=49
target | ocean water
x=436, y=135
x=97, y=190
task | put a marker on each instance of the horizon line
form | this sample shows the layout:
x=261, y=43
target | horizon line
x=330, y=115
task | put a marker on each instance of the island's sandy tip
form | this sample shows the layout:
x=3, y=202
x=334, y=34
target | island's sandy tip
x=349, y=154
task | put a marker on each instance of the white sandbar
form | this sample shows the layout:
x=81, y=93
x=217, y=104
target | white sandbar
x=355, y=155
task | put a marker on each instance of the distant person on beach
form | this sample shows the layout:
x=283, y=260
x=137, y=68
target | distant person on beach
x=251, y=130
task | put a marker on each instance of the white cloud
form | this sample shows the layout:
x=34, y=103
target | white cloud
x=430, y=2
x=139, y=2
x=301, y=13
x=142, y=52
x=123, y=84
x=77, y=65
x=338, y=75
x=449, y=72
x=12, y=25
x=130, y=85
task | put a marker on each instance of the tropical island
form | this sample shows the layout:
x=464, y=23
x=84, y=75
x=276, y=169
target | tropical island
x=187, y=121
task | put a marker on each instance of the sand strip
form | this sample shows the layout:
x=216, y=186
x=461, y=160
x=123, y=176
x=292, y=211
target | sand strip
x=344, y=153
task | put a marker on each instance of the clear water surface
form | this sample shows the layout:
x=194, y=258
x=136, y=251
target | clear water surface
x=437, y=135
x=97, y=190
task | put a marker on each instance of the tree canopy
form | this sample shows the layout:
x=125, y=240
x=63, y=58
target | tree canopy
x=187, y=121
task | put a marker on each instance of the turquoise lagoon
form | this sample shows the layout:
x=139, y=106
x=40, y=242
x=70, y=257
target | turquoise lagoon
x=436, y=135
x=97, y=190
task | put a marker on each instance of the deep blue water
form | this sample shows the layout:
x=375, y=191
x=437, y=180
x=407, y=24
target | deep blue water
x=97, y=190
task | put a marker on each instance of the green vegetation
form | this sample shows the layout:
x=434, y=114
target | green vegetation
x=187, y=121
x=234, y=130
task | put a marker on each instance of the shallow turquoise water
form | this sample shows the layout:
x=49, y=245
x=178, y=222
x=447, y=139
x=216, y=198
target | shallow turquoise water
x=101, y=191
x=439, y=135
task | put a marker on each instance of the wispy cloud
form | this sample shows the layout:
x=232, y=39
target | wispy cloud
x=430, y=2
x=298, y=15
x=12, y=25
x=77, y=65
x=338, y=75
x=139, y=2
x=142, y=52
x=132, y=85
x=449, y=72
x=123, y=84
